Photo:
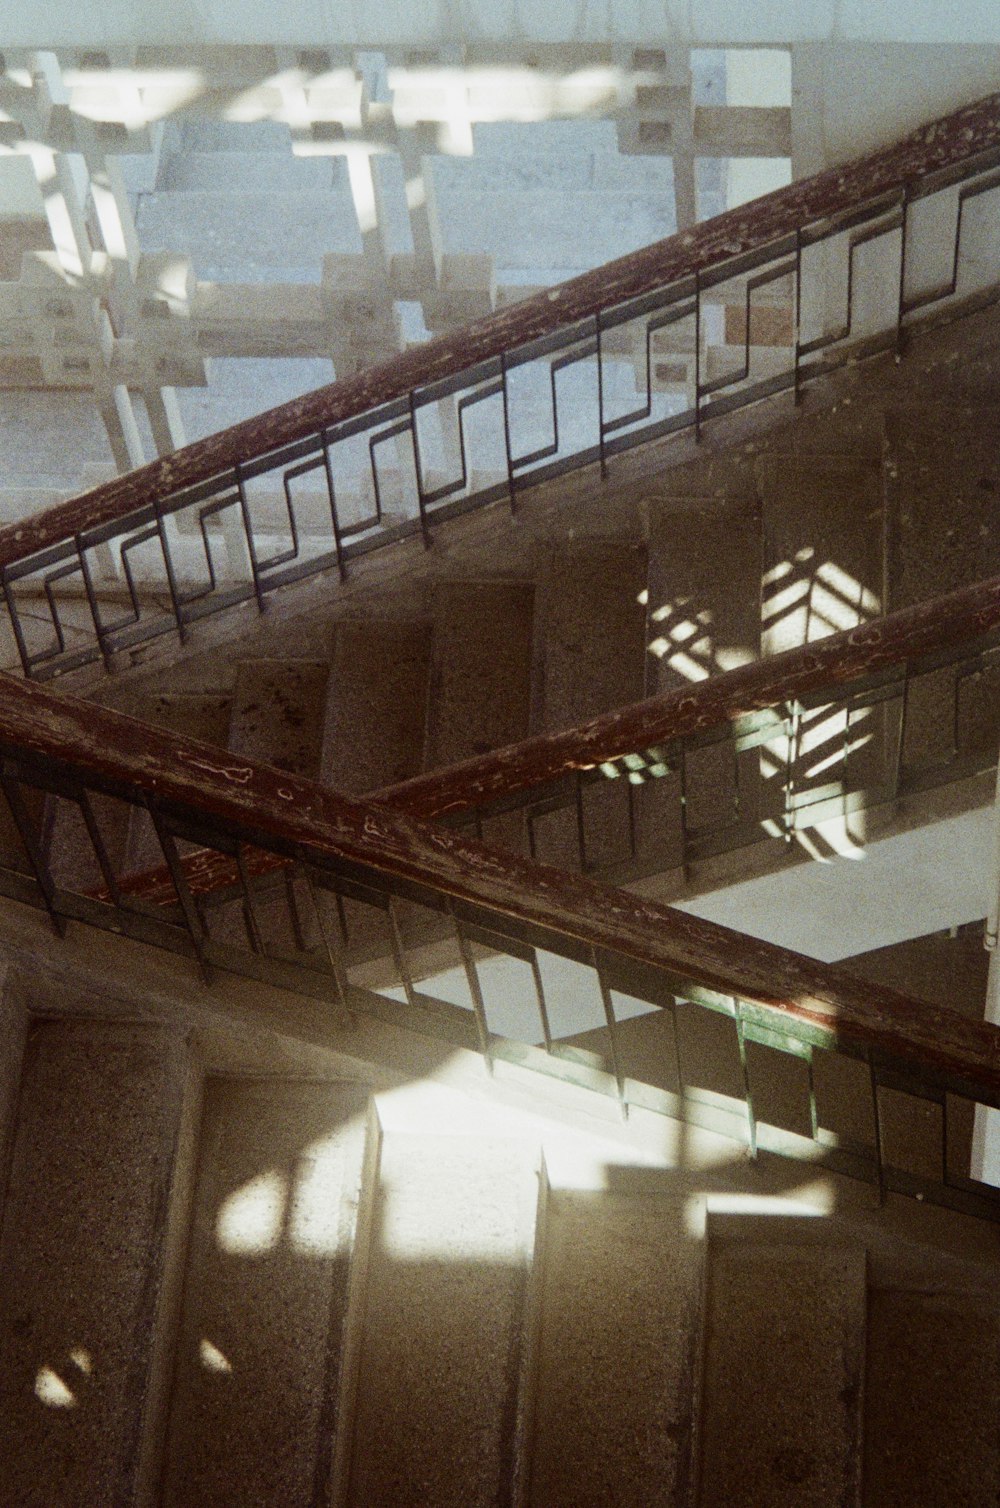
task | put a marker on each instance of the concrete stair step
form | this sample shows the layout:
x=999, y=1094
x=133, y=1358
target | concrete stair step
x=481, y=687
x=278, y=713
x=437, y=1416
x=265, y=1350
x=240, y=171
x=209, y=133
x=282, y=235
x=80, y=1258
x=932, y=1389
x=377, y=699
x=620, y=1335
x=783, y=1376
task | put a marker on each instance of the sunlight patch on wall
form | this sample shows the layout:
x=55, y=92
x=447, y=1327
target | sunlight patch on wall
x=251, y=1219
x=51, y=1390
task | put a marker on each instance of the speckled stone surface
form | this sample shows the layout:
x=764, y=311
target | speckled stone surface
x=823, y=559
x=79, y=1258
x=783, y=1377
x=442, y=1340
x=278, y=713
x=265, y=1304
x=942, y=479
x=704, y=591
x=481, y=690
x=620, y=1322
x=594, y=620
x=376, y=718
x=199, y=714
x=932, y=1385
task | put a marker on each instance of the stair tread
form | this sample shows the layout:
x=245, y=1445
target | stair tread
x=452, y=1240
x=255, y=1395
x=278, y=710
x=783, y=1376
x=933, y=1394
x=621, y=1316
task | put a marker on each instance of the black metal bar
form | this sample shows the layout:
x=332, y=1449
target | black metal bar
x=877, y=1121
x=505, y=388
x=475, y=992
x=609, y=1016
x=332, y=494
x=745, y=1071
x=543, y=1009
x=189, y=909
x=11, y=785
x=421, y=499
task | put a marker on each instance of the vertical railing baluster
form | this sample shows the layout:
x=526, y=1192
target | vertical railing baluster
x=399, y=953
x=10, y=782
x=600, y=396
x=332, y=494
x=798, y=317
x=745, y=1071
x=543, y=1009
x=250, y=918
x=697, y=356
x=901, y=305
x=877, y=1120
x=192, y=916
x=88, y=587
x=475, y=991
x=421, y=500
x=813, y=1107
x=333, y=955
x=168, y=567
x=504, y=387
x=609, y=1016
x=100, y=849
x=248, y=531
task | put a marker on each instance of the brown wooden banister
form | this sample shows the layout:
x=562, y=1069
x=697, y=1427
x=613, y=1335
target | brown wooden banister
x=926, y=629
x=957, y=138
x=95, y=748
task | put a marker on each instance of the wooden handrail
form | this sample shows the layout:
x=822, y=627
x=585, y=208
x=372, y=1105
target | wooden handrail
x=927, y=628
x=303, y=819
x=945, y=143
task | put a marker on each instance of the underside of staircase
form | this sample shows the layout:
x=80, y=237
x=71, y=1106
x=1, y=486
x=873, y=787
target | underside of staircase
x=332, y=1238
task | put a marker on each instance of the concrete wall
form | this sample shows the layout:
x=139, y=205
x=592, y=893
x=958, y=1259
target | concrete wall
x=326, y=22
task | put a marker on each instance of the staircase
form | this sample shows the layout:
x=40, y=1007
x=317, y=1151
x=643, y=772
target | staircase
x=323, y=1289
x=285, y=1240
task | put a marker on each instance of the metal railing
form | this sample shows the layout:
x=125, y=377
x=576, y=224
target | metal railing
x=659, y=343
x=889, y=709
x=374, y=912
